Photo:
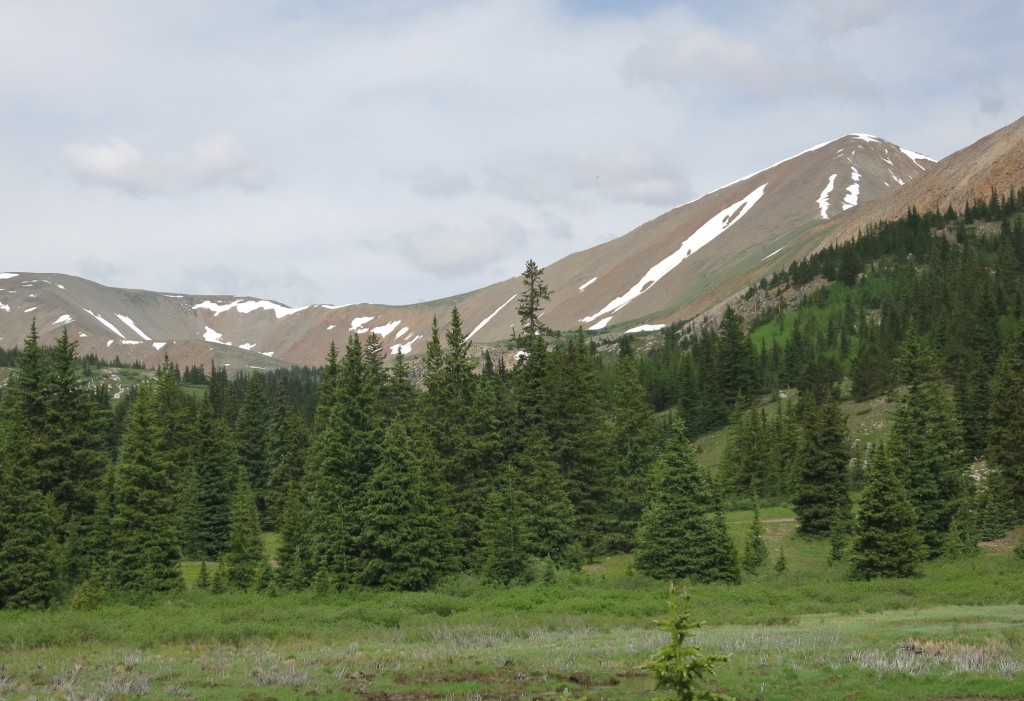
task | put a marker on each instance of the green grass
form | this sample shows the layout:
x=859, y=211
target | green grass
x=805, y=633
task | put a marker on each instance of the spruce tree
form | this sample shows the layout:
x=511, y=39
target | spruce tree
x=251, y=431
x=530, y=307
x=681, y=533
x=143, y=552
x=886, y=540
x=822, y=496
x=213, y=464
x=549, y=519
x=243, y=552
x=1006, y=422
x=926, y=446
x=755, y=550
x=634, y=440
x=504, y=540
x=404, y=541
x=294, y=565
x=994, y=507
x=28, y=541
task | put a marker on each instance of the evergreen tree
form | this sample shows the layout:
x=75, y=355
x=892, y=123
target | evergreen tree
x=780, y=562
x=286, y=453
x=213, y=465
x=535, y=293
x=549, y=520
x=886, y=540
x=252, y=433
x=681, y=533
x=994, y=507
x=243, y=553
x=926, y=445
x=503, y=531
x=405, y=542
x=143, y=550
x=822, y=497
x=571, y=413
x=755, y=550
x=28, y=541
x=1006, y=422
x=294, y=561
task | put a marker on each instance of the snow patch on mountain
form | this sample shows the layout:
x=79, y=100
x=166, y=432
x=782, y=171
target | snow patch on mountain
x=915, y=157
x=64, y=318
x=588, y=283
x=489, y=317
x=646, y=327
x=215, y=337
x=710, y=230
x=159, y=344
x=5, y=307
x=853, y=191
x=599, y=325
x=105, y=322
x=249, y=305
x=384, y=329
x=134, y=327
x=401, y=332
x=405, y=348
x=773, y=252
x=246, y=346
x=7, y=276
x=31, y=309
x=357, y=324
x=269, y=354
x=823, y=197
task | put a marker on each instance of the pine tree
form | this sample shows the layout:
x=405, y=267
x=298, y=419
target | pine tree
x=822, y=497
x=287, y=442
x=28, y=541
x=681, y=534
x=213, y=465
x=251, y=431
x=294, y=563
x=680, y=666
x=549, y=521
x=535, y=293
x=755, y=550
x=886, y=541
x=994, y=507
x=143, y=550
x=780, y=562
x=1006, y=422
x=503, y=531
x=243, y=553
x=926, y=446
x=634, y=438
x=404, y=541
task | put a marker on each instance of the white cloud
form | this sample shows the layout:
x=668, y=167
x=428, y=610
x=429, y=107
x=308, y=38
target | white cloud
x=446, y=133
x=213, y=160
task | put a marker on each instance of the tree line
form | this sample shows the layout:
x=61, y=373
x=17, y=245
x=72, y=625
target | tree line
x=372, y=480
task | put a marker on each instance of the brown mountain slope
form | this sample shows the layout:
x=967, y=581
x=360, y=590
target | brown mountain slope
x=673, y=267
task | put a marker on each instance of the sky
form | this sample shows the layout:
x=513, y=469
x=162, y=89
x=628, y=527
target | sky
x=310, y=151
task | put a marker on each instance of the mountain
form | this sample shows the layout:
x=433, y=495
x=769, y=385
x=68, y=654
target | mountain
x=672, y=268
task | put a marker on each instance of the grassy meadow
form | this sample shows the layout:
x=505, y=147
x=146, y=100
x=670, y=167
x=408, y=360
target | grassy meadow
x=805, y=633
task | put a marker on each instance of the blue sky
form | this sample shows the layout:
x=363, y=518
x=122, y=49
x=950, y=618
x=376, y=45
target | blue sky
x=400, y=151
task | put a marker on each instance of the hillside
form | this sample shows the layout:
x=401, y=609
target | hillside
x=675, y=267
